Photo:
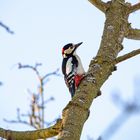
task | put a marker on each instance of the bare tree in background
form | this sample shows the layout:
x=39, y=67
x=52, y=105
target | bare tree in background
x=38, y=102
x=117, y=27
x=128, y=108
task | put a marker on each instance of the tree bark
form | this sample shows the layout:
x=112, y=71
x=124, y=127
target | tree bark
x=101, y=67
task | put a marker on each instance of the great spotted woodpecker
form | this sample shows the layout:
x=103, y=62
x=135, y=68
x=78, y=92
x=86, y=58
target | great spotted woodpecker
x=72, y=67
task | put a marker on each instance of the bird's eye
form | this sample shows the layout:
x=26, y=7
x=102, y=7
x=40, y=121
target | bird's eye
x=71, y=47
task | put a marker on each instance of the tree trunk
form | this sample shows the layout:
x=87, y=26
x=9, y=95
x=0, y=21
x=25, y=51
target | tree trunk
x=101, y=67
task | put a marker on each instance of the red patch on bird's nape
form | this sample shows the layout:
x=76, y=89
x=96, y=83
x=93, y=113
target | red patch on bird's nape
x=62, y=51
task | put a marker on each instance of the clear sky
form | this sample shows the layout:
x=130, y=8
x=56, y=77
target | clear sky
x=42, y=28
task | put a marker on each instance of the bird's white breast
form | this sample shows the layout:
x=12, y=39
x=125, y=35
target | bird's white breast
x=69, y=66
x=80, y=68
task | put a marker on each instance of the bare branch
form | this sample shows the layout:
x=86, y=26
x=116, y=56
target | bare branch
x=6, y=28
x=31, y=135
x=128, y=107
x=50, y=74
x=133, y=34
x=100, y=5
x=18, y=121
x=1, y=83
x=37, y=119
x=127, y=56
x=48, y=100
x=135, y=7
x=34, y=68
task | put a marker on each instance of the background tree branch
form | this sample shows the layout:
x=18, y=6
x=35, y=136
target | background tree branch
x=100, y=5
x=6, y=28
x=1, y=83
x=35, y=117
x=37, y=112
x=128, y=108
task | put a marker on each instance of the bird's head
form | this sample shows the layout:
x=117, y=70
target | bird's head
x=70, y=49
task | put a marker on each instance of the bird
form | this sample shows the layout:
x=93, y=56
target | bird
x=72, y=67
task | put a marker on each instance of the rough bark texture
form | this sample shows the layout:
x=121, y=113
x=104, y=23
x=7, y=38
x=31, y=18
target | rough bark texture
x=101, y=67
x=115, y=29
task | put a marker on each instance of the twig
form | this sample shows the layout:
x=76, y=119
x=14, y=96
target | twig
x=6, y=28
x=36, y=97
x=48, y=100
x=1, y=83
x=34, y=68
x=127, y=56
x=52, y=122
x=37, y=106
x=18, y=121
x=50, y=74
x=128, y=109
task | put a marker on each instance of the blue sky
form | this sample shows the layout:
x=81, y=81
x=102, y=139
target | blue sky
x=41, y=29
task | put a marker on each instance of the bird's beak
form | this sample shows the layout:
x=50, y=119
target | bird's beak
x=77, y=45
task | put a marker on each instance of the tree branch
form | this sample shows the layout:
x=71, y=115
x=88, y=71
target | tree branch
x=127, y=56
x=34, y=68
x=133, y=34
x=31, y=135
x=135, y=7
x=51, y=73
x=99, y=4
x=1, y=83
x=6, y=28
